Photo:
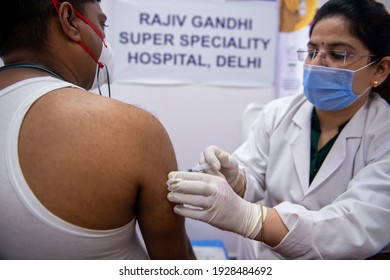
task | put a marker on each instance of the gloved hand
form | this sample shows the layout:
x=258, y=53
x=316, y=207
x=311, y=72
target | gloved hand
x=224, y=165
x=215, y=202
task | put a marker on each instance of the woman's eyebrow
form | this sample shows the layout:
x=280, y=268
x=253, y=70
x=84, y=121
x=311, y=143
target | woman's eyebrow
x=331, y=45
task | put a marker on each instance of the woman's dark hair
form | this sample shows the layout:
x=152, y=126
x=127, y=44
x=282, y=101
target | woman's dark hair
x=24, y=23
x=369, y=21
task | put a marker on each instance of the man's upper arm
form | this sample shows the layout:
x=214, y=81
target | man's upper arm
x=163, y=230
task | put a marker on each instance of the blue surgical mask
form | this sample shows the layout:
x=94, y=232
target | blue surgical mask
x=330, y=88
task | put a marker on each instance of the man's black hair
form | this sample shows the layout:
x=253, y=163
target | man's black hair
x=24, y=24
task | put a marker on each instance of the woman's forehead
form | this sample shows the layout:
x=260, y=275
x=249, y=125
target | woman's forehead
x=334, y=32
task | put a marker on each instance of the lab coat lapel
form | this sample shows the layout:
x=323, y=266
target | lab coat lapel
x=332, y=162
x=300, y=145
x=337, y=155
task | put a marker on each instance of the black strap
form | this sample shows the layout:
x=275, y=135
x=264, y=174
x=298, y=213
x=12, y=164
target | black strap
x=26, y=65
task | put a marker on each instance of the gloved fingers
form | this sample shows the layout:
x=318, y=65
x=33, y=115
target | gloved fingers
x=227, y=161
x=218, y=158
x=189, y=199
x=191, y=187
x=210, y=155
x=196, y=214
x=192, y=176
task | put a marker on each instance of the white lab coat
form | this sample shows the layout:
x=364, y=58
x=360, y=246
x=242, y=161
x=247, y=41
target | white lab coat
x=345, y=212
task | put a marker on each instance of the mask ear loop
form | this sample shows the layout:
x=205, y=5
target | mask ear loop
x=108, y=83
x=108, y=80
x=101, y=65
x=83, y=18
x=56, y=4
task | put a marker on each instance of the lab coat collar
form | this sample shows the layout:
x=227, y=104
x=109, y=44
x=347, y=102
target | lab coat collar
x=353, y=131
x=300, y=146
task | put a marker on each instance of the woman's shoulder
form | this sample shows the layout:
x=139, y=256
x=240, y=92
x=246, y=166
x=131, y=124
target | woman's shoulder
x=287, y=101
x=378, y=113
x=287, y=107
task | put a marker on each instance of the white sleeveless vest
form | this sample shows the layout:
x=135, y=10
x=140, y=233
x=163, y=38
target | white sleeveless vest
x=27, y=229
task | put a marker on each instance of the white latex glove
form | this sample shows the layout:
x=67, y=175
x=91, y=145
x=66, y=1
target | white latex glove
x=222, y=164
x=210, y=199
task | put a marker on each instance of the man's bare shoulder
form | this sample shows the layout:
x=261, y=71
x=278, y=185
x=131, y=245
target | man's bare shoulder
x=85, y=101
x=79, y=109
x=103, y=145
x=112, y=159
x=124, y=130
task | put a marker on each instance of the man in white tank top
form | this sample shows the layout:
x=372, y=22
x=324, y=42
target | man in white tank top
x=77, y=171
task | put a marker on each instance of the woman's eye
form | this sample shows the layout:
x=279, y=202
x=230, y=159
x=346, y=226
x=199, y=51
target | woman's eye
x=311, y=54
x=337, y=55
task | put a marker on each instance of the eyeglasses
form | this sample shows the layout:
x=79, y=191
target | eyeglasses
x=334, y=57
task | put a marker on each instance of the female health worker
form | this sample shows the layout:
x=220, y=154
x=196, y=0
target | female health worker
x=315, y=171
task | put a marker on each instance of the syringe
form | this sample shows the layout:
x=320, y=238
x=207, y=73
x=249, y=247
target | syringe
x=199, y=168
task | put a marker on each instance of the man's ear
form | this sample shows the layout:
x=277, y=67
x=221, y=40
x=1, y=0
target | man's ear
x=382, y=70
x=69, y=21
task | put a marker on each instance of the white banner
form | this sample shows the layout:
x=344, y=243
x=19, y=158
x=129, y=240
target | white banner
x=229, y=43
